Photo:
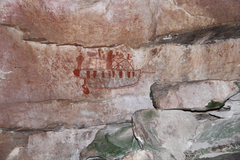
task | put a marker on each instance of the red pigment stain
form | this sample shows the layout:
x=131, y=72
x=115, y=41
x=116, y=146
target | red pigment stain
x=94, y=74
x=133, y=73
x=80, y=60
x=85, y=88
x=113, y=73
x=120, y=74
x=109, y=59
x=129, y=74
x=109, y=74
x=88, y=74
x=76, y=72
x=103, y=74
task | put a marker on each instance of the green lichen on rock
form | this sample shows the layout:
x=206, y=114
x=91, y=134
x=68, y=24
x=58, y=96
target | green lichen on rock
x=212, y=104
x=219, y=136
x=112, y=144
x=149, y=114
x=153, y=100
x=221, y=130
x=238, y=84
x=217, y=149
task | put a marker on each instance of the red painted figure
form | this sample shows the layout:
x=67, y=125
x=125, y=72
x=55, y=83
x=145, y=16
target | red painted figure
x=76, y=72
x=79, y=59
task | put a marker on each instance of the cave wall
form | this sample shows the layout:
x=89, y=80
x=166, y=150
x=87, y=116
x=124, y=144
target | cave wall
x=58, y=57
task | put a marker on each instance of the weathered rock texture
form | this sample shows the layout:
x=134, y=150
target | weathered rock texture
x=220, y=136
x=10, y=142
x=111, y=142
x=172, y=130
x=84, y=63
x=195, y=95
x=31, y=145
x=188, y=135
x=185, y=15
x=229, y=156
x=105, y=23
x=231, y=108
x=38, y=86
x=194, y=62
x=149, y=155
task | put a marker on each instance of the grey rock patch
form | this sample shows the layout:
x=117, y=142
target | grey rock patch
x=161, y=154
x=111, y=142
x=217, y=136
x=172, y=130
x=223, y=156
x=230, y=109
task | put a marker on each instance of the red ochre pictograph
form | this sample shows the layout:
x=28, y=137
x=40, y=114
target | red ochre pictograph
x=110, y=70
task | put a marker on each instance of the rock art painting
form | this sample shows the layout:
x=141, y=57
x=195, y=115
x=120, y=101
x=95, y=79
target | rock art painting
x=106, y=69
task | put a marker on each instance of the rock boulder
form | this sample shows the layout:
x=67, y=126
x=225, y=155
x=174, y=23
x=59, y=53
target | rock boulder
x=196, y=95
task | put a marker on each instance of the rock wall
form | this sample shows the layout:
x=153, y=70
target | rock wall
x=90, y=63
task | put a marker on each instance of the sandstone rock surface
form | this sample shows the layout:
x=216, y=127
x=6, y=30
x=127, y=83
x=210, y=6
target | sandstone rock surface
x=196, y=95
x=106, y=23
x=186, y=15
x=149, y=155
x=87, y=23
x=11, y=143
x=41, y=41
x=38, y=86
x=62, y=144
x=111, y=142
x=87, y=63
x=174, y=63
x=221, y=156
x=217, y=137
x=172, y=130
x=230, y=109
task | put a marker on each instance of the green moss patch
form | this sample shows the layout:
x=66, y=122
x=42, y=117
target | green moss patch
x=212, y=104
x=113, y=145
x=153, y=100
x=238, y=84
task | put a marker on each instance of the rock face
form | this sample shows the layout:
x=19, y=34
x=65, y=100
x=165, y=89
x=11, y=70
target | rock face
x=38, y=85
x=112, y=142
x=149, y=155
x=172, y=130
x=172, y=63
x=230, y=108
x=87, y=23
x=62, y=144
x=229, y=156
x=106, y=23
x=90, y=63
x=186, y=15
x=11, y=143
x=198, y=95
x=218, y=138
x=187, y=135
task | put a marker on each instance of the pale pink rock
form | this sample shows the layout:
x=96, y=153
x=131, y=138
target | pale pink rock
x=176, y=63
x=169, y=132
x=38, y=86
x=186, y=15
x=106, y=23
x=87, y=23
x=62, y=144
x=193, y=95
